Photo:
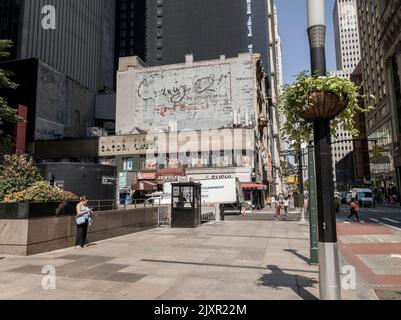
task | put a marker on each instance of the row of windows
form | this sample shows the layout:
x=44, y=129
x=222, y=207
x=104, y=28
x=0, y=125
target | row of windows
x=235, y=158
x=159, y=31
x=249, y=24
x=346, y=148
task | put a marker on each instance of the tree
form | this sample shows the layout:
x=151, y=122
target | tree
x=17, y=173
x=7, y=113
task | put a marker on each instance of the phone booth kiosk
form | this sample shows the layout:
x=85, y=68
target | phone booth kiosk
x=186, y=205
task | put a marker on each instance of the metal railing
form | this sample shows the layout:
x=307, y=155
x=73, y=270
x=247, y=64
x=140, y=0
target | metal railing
x=160, y=217
x=209, y=212
x=102, y=205
x=139, y=203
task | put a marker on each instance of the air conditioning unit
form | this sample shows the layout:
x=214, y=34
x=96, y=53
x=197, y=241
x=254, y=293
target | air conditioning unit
x=96, y=132
x=185, y=179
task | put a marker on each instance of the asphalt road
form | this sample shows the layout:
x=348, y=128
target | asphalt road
x=381, y=215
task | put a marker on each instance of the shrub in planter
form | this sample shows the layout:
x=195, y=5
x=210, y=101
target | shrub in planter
x=40, y=192
x=314, y=98
x=17, y=173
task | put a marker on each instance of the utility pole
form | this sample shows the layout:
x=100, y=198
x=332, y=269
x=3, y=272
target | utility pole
x=329, y=273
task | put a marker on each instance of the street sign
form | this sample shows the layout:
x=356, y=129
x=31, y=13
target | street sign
x=377, y=151
x=108, y=180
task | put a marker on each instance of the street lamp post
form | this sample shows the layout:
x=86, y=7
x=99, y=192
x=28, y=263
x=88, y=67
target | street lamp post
x=329, y=273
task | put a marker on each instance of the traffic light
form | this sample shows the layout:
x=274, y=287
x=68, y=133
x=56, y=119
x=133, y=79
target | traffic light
x=377, y=151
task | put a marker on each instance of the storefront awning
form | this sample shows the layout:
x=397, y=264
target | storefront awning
x=253, y=186
x=145, y=186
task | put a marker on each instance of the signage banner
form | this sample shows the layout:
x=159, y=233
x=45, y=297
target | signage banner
x=108, y=180
x=146, y=175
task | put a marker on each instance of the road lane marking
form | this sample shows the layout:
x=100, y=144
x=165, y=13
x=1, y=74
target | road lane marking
x=389, y=225
x=396, y=256
x=374, y=220
x=370, y=239
x=391, y=220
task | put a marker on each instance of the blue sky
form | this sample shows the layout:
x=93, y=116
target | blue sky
x=292, y=20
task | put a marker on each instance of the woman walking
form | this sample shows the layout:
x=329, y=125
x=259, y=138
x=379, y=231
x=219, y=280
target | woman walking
x=354, y=209
x=269, y=202
x=278, y=209
x=286, y=205
x=82, y=221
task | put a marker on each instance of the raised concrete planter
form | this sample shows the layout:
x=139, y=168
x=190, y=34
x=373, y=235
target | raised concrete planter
x=22, y=234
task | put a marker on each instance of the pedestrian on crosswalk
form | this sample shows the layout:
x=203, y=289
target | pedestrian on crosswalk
x=354, y=209
x=278, y=209
x=286, y=205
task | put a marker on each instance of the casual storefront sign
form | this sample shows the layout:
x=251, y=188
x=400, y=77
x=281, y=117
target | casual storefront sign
x=170, y=175
x=241, y=174
x=146, y=175
x=145, y=186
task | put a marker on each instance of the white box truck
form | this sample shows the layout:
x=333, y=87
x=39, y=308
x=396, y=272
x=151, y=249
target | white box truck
x=226, y=193
x=364, y=196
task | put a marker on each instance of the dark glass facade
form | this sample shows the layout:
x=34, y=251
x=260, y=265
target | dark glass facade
x=206, y=29
x=79, y=47
x=130, y=28
x=9, y=22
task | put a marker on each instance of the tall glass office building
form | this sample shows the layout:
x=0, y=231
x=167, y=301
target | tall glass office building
x=81, y=46
x=206, y=29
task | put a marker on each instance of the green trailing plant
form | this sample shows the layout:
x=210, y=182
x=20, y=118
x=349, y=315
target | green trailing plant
x=295, y=99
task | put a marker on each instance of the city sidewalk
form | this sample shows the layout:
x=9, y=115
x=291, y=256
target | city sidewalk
x=226, y=260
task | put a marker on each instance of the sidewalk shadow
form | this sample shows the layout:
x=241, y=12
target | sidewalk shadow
x=278, y=279
x=300, y=256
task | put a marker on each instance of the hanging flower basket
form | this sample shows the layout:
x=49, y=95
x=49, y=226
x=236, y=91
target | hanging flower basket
x=319, y=98
x=324, y=105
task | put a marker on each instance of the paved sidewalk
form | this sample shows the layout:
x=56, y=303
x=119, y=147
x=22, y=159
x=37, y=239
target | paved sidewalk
x=226, y=260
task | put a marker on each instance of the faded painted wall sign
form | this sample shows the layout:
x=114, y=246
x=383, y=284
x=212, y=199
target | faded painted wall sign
x=190, y=97
x=205, y=96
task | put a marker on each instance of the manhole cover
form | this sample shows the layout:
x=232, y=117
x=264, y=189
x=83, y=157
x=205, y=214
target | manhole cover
x=388, y=295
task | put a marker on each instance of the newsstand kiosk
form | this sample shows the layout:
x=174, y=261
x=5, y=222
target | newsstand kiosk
x=186, y=205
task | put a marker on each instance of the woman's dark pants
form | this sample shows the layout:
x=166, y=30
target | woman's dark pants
x=82, y=232
x=354, y=213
